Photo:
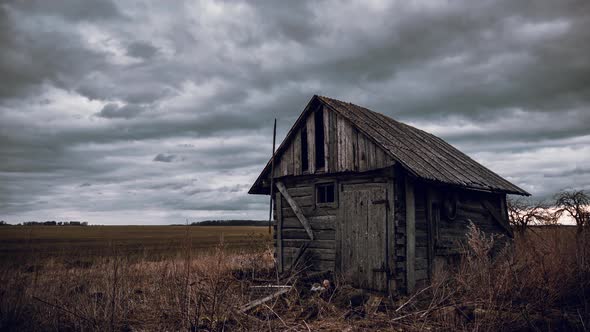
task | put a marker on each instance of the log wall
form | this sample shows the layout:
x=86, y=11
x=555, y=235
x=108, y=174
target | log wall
x=438, y=239
x=291, y=236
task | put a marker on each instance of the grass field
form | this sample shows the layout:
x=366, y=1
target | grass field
x=20, y=243
x=145, y=278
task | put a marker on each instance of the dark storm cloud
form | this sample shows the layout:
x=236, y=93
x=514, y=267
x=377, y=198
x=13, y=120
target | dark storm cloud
x=112, y=110
x=72, y=10
x=92, y=93
x=140, y=49
x=165, y=158
x=39, y=50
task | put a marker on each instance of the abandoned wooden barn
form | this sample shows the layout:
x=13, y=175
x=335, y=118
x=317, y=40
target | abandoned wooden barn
x=381, y=202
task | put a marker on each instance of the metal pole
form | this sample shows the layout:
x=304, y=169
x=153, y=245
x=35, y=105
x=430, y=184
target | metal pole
x=272, y=174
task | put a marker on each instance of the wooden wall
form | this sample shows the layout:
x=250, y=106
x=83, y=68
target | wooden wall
x=320, y=254
x=346, y=149
x=469, y=209
x=438, y=246
x=322, y=251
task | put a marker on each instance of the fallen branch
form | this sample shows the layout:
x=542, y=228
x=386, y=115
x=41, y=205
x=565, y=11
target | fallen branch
x=255, y=303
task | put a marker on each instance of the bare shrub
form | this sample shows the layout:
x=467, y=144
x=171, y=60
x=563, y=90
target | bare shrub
x=537, y=284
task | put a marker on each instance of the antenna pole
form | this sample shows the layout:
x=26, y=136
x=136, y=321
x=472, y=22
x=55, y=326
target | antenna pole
x=272, y=174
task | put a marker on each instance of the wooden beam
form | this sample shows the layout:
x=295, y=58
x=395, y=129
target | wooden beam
x=496, y=215
x=391, y=236
x=278, y=205
x=296, y=209
x=410, y=236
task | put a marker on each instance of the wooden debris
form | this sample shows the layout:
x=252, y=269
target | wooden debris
x=275, y=291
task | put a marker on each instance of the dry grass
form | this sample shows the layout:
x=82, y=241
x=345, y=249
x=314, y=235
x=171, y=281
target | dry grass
x=540, y=284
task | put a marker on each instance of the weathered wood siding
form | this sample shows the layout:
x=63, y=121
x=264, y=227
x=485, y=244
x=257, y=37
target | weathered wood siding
x=399, y=198
x=421, y=264
x=346, y=149
x=323, y=251
x=438, y=245
x=452, y=233
x=363, y=232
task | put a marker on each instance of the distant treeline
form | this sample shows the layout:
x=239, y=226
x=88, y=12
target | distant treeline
x=231, y=223
x=49, y=223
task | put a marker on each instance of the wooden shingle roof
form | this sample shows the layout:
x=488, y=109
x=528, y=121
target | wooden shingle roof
x=422, y=154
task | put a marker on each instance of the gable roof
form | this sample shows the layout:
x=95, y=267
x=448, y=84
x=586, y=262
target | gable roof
x=422, y=154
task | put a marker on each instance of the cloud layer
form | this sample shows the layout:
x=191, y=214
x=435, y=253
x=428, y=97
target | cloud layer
x=133, y=112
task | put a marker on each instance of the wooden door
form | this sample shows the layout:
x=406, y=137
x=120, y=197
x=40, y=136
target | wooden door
x=363, y=235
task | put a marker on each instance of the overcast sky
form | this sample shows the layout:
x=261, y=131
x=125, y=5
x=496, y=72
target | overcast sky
x=130, y=112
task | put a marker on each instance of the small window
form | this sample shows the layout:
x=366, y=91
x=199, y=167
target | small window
x=325, y=193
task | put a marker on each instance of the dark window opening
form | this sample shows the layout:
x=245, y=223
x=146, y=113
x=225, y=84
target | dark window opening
x=304, y=157
x=325, y=193
x=320, y=161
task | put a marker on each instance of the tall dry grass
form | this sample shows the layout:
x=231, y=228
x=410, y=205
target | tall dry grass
x=115, y=294
x=537, y=284
x=540, y=283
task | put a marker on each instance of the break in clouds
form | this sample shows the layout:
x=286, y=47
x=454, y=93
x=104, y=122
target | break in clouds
x=130, y=112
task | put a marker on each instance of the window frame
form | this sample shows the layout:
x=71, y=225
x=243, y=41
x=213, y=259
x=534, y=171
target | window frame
x=317, y=185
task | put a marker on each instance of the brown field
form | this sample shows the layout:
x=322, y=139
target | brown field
x=154, y=279
x=18, y=244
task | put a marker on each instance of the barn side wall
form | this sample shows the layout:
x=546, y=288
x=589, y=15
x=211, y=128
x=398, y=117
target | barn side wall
x=439, y=241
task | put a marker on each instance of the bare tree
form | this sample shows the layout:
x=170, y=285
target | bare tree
x=576, y=204
x=523, y=213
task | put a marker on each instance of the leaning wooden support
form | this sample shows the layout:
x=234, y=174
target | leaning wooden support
x=295, y=209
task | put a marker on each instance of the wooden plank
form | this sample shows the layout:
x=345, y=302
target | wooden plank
x=320, y=244
x=288, y=160
x=305, y=201
x=326, y=123
x=285, y=161
x=311, y=142
x=431, y=231
x=377, y=239
x=333, y=167
x=279, y=292
x=300, y=191
x=297, y=154
x=310, y=210
x=410, y=236
x=354, y=164
x=360, y=153
x=391, y=236
x=313, y=253
x=349, y=145
x=295, y=209
x=279, y=231
x=317, y=223
x=340, y=145
x=299, y=233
